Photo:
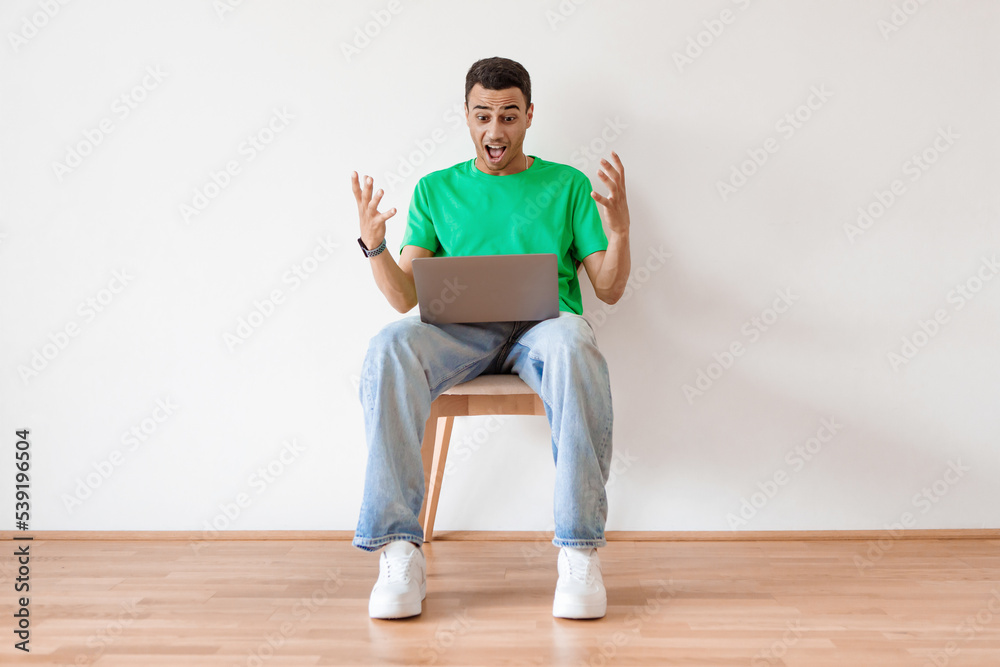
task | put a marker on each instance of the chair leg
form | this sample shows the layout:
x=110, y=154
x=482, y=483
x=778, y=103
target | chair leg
x=443, y=439
x=427, y=454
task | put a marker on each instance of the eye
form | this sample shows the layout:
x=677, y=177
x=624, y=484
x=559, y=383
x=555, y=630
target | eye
x=511, y=118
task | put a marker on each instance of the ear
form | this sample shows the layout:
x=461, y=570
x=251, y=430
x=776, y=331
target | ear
x=529, y=114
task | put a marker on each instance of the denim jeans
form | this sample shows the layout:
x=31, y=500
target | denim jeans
x=409, y=363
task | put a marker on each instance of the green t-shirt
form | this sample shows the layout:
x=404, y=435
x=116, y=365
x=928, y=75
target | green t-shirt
x=461, y=211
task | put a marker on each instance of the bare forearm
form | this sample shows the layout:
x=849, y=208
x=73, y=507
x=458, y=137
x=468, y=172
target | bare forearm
x=397, y=287
x=615, y=269
x=392, y=281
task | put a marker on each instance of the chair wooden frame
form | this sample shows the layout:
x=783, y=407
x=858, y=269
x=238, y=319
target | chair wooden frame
x=505, y=394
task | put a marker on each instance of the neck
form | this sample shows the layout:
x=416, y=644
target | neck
x=509, y=173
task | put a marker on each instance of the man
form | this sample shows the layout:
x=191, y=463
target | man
x=502, y=202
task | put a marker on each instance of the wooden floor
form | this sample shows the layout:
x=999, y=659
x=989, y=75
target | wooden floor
x=907, y=602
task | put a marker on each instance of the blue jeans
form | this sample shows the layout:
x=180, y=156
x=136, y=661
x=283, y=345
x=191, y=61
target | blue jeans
x=409, y=363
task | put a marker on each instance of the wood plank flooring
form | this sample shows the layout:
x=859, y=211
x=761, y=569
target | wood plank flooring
x=254, y=603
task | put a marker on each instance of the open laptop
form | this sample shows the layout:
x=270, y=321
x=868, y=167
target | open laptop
x=487, y=288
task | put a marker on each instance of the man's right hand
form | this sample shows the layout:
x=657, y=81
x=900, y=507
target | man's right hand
x=372, y=221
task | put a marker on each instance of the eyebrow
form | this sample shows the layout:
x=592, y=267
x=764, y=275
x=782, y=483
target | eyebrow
x=509, y=106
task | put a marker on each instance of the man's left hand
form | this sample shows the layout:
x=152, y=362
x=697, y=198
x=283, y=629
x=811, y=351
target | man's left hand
x=615, y=204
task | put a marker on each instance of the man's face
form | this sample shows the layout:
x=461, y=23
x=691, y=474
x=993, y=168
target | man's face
x=498, y=118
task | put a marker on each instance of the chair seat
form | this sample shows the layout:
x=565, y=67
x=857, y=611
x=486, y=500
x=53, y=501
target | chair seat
x=496, y=385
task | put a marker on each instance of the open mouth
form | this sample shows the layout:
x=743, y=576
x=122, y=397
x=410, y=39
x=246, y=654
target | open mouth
x=495, y=153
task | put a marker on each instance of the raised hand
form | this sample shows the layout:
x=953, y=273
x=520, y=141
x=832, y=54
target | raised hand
x=371, y=219
x=615, y=204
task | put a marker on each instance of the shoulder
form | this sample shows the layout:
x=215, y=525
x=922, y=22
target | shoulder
x=451, y=173
x=563, y=173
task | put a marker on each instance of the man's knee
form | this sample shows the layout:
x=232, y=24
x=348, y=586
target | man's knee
x=396, y=342
x=574, y=333
x=567, y=338
x=395, y=336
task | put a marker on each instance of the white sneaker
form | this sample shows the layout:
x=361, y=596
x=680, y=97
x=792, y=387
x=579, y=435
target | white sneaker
x=580, y=590
x=402, y=581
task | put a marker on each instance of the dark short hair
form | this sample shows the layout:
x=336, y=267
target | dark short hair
x=498, y=74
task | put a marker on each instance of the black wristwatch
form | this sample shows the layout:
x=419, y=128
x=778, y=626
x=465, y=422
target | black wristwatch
x=371, y=253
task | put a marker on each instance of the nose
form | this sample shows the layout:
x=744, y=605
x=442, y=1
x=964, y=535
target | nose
x=493, y=130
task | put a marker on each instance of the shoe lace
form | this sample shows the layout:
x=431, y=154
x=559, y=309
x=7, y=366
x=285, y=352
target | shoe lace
x=398, y=568
x=578, y=567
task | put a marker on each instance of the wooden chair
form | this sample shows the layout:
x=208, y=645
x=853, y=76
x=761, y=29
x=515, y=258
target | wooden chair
x=505, y=394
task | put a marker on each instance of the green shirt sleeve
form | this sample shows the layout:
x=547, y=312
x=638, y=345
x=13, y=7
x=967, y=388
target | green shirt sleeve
x=588, y=231
x=419, y=226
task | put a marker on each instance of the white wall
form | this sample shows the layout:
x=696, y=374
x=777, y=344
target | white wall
x=608, y=69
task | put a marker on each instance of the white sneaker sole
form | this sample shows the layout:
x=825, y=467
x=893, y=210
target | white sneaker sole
x=389, y=610
x=569, y=608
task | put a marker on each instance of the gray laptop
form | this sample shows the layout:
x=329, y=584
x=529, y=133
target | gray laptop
x=487, y=288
